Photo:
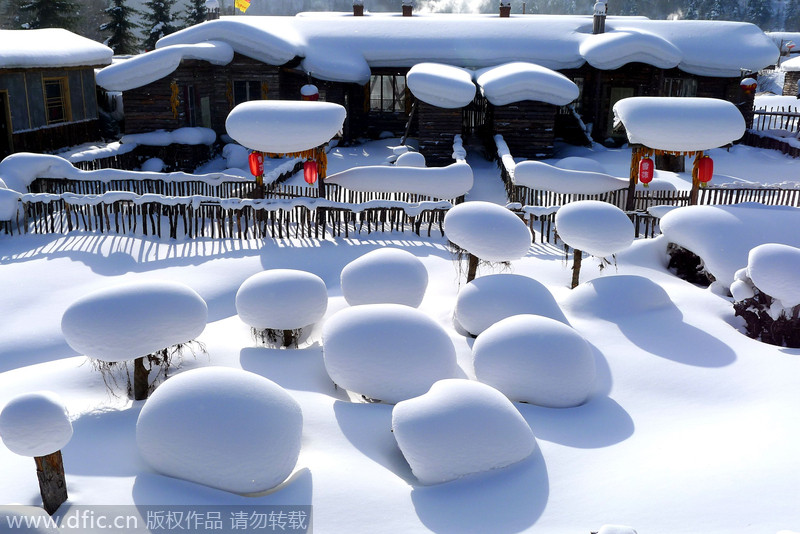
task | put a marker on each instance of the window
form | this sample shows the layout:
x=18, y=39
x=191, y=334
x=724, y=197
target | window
x=191, y=106
x=244, y=91
x=580, y=82
x=680, y=87
x=56, y=99
x=387, y=93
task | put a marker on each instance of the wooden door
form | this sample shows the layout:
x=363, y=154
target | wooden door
x=6, y=145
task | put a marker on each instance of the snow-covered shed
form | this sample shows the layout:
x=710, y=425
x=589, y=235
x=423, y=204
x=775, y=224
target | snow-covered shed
x=361, y=62
x=48, y=96
x=791, y=76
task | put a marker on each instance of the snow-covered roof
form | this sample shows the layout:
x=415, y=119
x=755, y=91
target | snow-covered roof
x=339, y=47
x=791, y=65
x=679, y=123
x=50, y=48
x=516, y=81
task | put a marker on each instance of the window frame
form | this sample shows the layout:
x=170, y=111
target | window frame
x=388, y=97
x=62, y=101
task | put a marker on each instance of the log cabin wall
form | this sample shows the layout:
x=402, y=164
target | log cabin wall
x=527, y=128
x=436, y=128
x=790, y=80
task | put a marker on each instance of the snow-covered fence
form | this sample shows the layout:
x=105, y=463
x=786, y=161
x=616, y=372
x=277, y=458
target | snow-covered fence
x=762, y=139
x=784, y=118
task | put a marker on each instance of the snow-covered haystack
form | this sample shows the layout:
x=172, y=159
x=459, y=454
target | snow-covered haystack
x=489, y=299
x=284, y=126
x=389, y=352
x=722, y=236
x=487, y=232
x=460, y=427
x=385, y=275
x=133, y=321
x=536, y=359
x=31, y=519
x=540, y=175
x=598, y=228
x=631, y=295
x=279, y=303
x=226, y=428
x=35, y=424
x=440, y=85
x=767, y=294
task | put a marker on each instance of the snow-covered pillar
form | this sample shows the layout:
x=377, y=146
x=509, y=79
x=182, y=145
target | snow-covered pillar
x=505, y=9
x=358, y=8
x=408, y=8
x=599, y=20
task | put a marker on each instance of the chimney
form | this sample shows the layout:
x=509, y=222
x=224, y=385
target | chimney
x=212, y=9
x=599, y=19
x=358, y=8
x=408, y=7
x=505, y=9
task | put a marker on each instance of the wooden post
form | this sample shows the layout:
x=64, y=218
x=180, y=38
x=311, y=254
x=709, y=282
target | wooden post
x=288, y=338
x=577, y=256
x=140, y=374
x=472, y=268
x=695, y=182
x=636, y=155
x=52, y=481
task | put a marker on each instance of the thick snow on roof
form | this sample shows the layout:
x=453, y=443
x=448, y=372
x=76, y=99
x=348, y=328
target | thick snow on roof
x=152, y=66
x=791, y=65
x=679, y=123
x=441, y=85
x=438, y=182
x=517, y=81
x=344, y=48
x=51, y=47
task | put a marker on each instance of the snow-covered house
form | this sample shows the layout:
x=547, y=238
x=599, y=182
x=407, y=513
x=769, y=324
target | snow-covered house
x=197, y=75
x=48, y=97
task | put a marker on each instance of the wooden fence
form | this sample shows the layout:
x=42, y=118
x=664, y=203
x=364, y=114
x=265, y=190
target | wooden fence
x=783, y=118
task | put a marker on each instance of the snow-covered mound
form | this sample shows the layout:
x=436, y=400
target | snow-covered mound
x=536, y=359
x=613, y=49
x=775, y=270
x=35, y=424
x=410, y=159
x=722, y=236
x=282, y=299
x=488, y=231
x=389, y=352
x=385, y=275
x=540, y=175
x=441, y=85
x=517, y=81
x=489, y=299
x=153, y=165
x=226, y=428
x=577, y=163
x=284, y=126
x=460, y=427
x=31, y=519
x=679, y=123
x=439, y=182
x=9, y=202
x=598, y=228
x=632, y=296
x=131, y=320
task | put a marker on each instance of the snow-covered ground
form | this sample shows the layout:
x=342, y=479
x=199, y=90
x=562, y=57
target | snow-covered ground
x=692, y=427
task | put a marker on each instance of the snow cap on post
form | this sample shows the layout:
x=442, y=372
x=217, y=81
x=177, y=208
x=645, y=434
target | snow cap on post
x=282, y=299
x=597, y=228
x=35, y=424
x=487, y=231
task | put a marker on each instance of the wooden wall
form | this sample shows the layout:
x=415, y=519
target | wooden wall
x=436, y=128
x=790, y=83
x=527, y=127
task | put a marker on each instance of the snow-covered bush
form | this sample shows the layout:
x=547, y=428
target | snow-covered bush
x=489, y=299
x=279, y=303
x=388, y=352
x=767, y=294
x=226, y=428
x=385, y=275
x=598, y=228
x=460, y=427
x=486, y=232
x=149, y=319
x=536, y=359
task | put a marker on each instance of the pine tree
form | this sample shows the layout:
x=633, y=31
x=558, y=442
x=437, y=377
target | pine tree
x=159, y=21
x=792, y=22
x=122, y=39
x=51, y=14
x=12, y=16
x=196, y=13
x=691, y=11
x=759, y=13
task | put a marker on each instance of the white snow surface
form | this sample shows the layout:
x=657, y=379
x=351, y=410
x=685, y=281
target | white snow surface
x=153, y=165
x=35, y=424
x=50, y=48
x=40, y=521
x=722, y=236
x=284, y=126
x=791, y=65
x=389, y=352
x=598, y=228
x=578, y=163
x=447, y=182
x=633, y=296
x=226, y=428
x=194, y=135
x=385, y=275
x=441, y=85
x=410, y=159
x=9, y=201
x=536, y=359
x=611, y=50
x=616, y=529
x=152, y=66
x=126, y=321
x=492, y=298
x=488, y=231
x=541, y=175
x=282, y=299
x=775, y=270
x=679, y=123
x=517, y=81
x=458, y=428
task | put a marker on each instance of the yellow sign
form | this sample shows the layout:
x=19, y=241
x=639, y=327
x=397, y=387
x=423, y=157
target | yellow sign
x=242, y=5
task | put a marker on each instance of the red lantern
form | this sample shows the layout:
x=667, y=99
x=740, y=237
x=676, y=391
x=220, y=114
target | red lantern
x=310, y=171
x=309, y=92
x=256, y=161
x=646, y=171
x=705, y=168
x=748, y=85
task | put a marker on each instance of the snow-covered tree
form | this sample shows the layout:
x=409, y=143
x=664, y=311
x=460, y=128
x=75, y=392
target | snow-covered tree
x=51, y=14
x=159, y=21
x=121, y=27
x=792, y=21
x=196, y=12
x=12, y=16
x=759, y=12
